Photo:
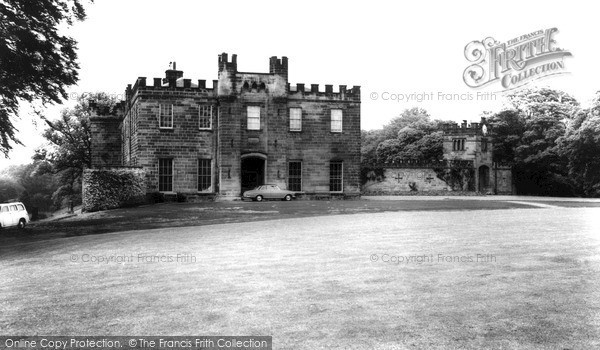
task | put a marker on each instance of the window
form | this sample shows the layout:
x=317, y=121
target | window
x=13, y=208
x=295, y=119
x=295, y=176
x=336, y=175
x=4, y=209
x=484, y=145
x=336, y=120
x=165, y=116
x=165, y=175
x=458, y=144
x=204, y=175
x=253, y=118
x=205, y=117
x=20, y=207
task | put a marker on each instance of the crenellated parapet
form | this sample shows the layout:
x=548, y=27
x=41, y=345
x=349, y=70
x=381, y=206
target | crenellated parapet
x=465, y=128
x=179, y=84
x=302, y=91
x=418, y=163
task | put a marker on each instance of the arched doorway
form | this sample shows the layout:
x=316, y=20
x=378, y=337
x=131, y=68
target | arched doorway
x=484, y=178
x=253, y=171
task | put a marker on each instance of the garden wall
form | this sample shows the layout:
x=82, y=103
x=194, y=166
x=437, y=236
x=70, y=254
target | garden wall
x=404, y=180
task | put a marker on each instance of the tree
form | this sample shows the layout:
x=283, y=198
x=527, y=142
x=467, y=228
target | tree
x=409, y=117
x=34, y=185
x=370, y=139
x=9, y=189
x=507, y=128
x=69, y=148
x=528, y=133
x=581, y=147
x=412, y=135
x=37, y=63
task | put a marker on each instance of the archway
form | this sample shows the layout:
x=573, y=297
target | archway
x=484, y=178
x=253, y=172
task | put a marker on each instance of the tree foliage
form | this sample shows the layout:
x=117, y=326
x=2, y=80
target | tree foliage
x=30, y=184
x=580, y=146
x=37, y=62
x=527, y=135
x=69, y=148
x=412, y=135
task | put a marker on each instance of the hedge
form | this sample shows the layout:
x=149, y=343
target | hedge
x=109, y=188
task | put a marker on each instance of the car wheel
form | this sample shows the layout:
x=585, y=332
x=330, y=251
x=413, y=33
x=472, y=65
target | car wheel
x=259, y=198
x=287, y=197
x=21, y=224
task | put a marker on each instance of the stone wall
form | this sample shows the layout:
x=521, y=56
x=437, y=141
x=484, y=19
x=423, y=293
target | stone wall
x=106, y=140
x=404, y=180
x=315, y=145
x=397, y=180
x=185, y=143
x=502, y=178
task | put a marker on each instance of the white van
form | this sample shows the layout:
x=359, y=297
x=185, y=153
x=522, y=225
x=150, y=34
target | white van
x=13, y=214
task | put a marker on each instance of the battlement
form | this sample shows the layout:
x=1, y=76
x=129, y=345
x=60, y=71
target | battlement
x=179, y=84
x=278, y=66
x=417, y=163
x=231, y=81
x=226, y=65
x=343, y=91
x=465, y=128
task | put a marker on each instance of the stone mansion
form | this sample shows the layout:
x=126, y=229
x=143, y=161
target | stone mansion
x=247, y=129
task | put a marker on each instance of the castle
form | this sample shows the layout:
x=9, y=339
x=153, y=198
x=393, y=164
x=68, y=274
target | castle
x=246, y=130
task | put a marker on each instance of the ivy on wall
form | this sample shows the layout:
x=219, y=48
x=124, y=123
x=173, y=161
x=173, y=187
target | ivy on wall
x=371, y=173
x=113, y=188
x=457, y=177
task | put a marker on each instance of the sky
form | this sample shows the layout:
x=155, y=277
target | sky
x=390, y=49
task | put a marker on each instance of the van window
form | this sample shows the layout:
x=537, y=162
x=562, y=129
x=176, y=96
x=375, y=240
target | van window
x=20, y=207
x=4, y=209
x=13, y=208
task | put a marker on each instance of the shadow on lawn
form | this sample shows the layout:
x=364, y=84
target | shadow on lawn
x=169, y=215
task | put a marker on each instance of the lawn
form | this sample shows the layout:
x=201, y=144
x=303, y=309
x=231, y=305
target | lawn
x=323, y=282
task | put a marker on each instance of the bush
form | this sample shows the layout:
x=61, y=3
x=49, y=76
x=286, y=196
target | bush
x=113, y=188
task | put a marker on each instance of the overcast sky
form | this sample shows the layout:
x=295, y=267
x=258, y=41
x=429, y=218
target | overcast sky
x=385, y=47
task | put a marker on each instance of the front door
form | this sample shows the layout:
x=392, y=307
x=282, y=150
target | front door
x=253, y=173
x=484, y=178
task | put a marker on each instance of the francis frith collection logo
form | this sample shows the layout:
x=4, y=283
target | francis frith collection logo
x=516, y=62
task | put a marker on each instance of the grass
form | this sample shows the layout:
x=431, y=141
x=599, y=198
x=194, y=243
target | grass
x=172, y=215
x=312, y=284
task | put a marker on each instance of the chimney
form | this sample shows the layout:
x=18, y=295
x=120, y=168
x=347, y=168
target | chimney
x=172, y=73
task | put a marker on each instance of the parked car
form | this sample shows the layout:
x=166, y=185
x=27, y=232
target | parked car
x=268, y=192
x=13, y=214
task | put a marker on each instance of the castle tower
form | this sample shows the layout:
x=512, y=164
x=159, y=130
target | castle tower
x=470, y=142
x=227, y=75
x=279, y=66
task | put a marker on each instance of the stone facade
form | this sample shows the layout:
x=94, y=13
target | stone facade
x=399, y=180
x=471, y=142
x=245, y=130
